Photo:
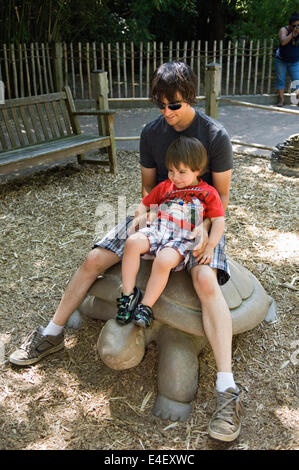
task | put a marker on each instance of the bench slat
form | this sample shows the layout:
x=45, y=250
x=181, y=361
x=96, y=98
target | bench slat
x=26, y=125
x=15, y=103
x=42, y=120
x=50, y=151
x=50, y=120
x=66, y=117
x=2, y=137
x=9, y=128
x=17, y=126
x=57, y=117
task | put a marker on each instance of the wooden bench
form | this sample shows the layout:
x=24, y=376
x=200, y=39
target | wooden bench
x=45, y=128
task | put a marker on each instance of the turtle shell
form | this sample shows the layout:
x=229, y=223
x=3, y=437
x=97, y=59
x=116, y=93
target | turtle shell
x=179, y=306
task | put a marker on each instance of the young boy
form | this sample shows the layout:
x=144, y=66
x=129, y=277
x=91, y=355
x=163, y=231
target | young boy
x=181, y=203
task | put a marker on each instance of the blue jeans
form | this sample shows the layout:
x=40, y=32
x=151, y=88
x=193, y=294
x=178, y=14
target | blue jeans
x=282, y=68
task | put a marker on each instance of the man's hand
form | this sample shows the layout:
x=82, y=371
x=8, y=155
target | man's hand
x=207, y=256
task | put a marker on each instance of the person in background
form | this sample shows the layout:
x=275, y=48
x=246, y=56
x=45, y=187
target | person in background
x=287, y=56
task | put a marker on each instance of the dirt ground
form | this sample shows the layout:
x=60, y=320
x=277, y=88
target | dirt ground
x=71, y=400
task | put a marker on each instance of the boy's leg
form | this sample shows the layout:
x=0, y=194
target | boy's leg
x=136, y=245
x=166, y=259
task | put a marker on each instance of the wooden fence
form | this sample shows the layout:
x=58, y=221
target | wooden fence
x=37, y=68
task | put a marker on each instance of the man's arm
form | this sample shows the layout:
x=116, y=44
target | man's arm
x=221, y=182
x=148, y=177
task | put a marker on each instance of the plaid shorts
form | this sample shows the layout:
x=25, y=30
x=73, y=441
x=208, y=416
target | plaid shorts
x=163, y=233
x=115, y=241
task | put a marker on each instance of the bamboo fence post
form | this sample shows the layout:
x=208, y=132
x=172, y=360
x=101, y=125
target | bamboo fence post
x=177, y=50
x=154, y=55
x=263, y=66
x=161, y=53
x=110, y=70
x=118, y=70
x=256, y=65
x=40, y=70
x=198, y=66
x=125, y=69
x=270, y=65
x=192, y=55
x=147, y=68
x=73, y=70
x=27, y=69
x=21, y=71
x=88, y=69
x=80, y=69
x=235, y=66
x=94, y=56
x=6, y=71
x=170, y=51
x=102, y=56
x=45, y=67
x=58, y=73
x=140, y=69
x=14, y=70
x=221, y=61
x=249, y=67
x=242, y=66
x=185, y=51
x=228, y=67
x=33, y=68
x=49, y=67
x=133, y=69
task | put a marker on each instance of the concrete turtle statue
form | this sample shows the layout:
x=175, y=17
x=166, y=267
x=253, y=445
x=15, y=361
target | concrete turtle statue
x=177, y=329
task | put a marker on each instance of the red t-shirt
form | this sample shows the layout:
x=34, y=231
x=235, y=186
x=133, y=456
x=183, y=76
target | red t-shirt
x=188, y=206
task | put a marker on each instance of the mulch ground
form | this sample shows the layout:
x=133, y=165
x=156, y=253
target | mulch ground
x=71, y=400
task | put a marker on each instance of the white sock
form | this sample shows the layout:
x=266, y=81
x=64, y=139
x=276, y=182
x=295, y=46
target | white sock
x=52, y=329
x=224, y=381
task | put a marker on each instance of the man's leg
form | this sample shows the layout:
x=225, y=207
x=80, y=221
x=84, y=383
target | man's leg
x=40, y=343
x=225, y=424
x=216, y=316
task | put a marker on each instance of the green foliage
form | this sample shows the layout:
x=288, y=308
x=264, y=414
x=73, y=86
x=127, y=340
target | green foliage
x=141, y=20
x=260, y=19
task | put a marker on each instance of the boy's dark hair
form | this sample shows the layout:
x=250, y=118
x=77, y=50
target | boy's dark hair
x=171, y=78
x=189, y=151
x=294, y=17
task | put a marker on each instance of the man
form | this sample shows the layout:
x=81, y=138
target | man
x=173, y=89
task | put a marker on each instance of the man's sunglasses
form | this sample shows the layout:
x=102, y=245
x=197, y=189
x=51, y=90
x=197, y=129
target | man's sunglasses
x=171, y=106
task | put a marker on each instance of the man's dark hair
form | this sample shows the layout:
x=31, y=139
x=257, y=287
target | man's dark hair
x=172, y=78
x=294, y=17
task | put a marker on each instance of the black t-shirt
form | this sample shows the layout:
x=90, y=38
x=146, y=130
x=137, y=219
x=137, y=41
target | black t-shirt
x=157, y=135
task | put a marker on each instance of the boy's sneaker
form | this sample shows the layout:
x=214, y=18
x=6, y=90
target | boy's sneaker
x=126, y=305
x=143, y=316
x=225, y=424
x=35, y=347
